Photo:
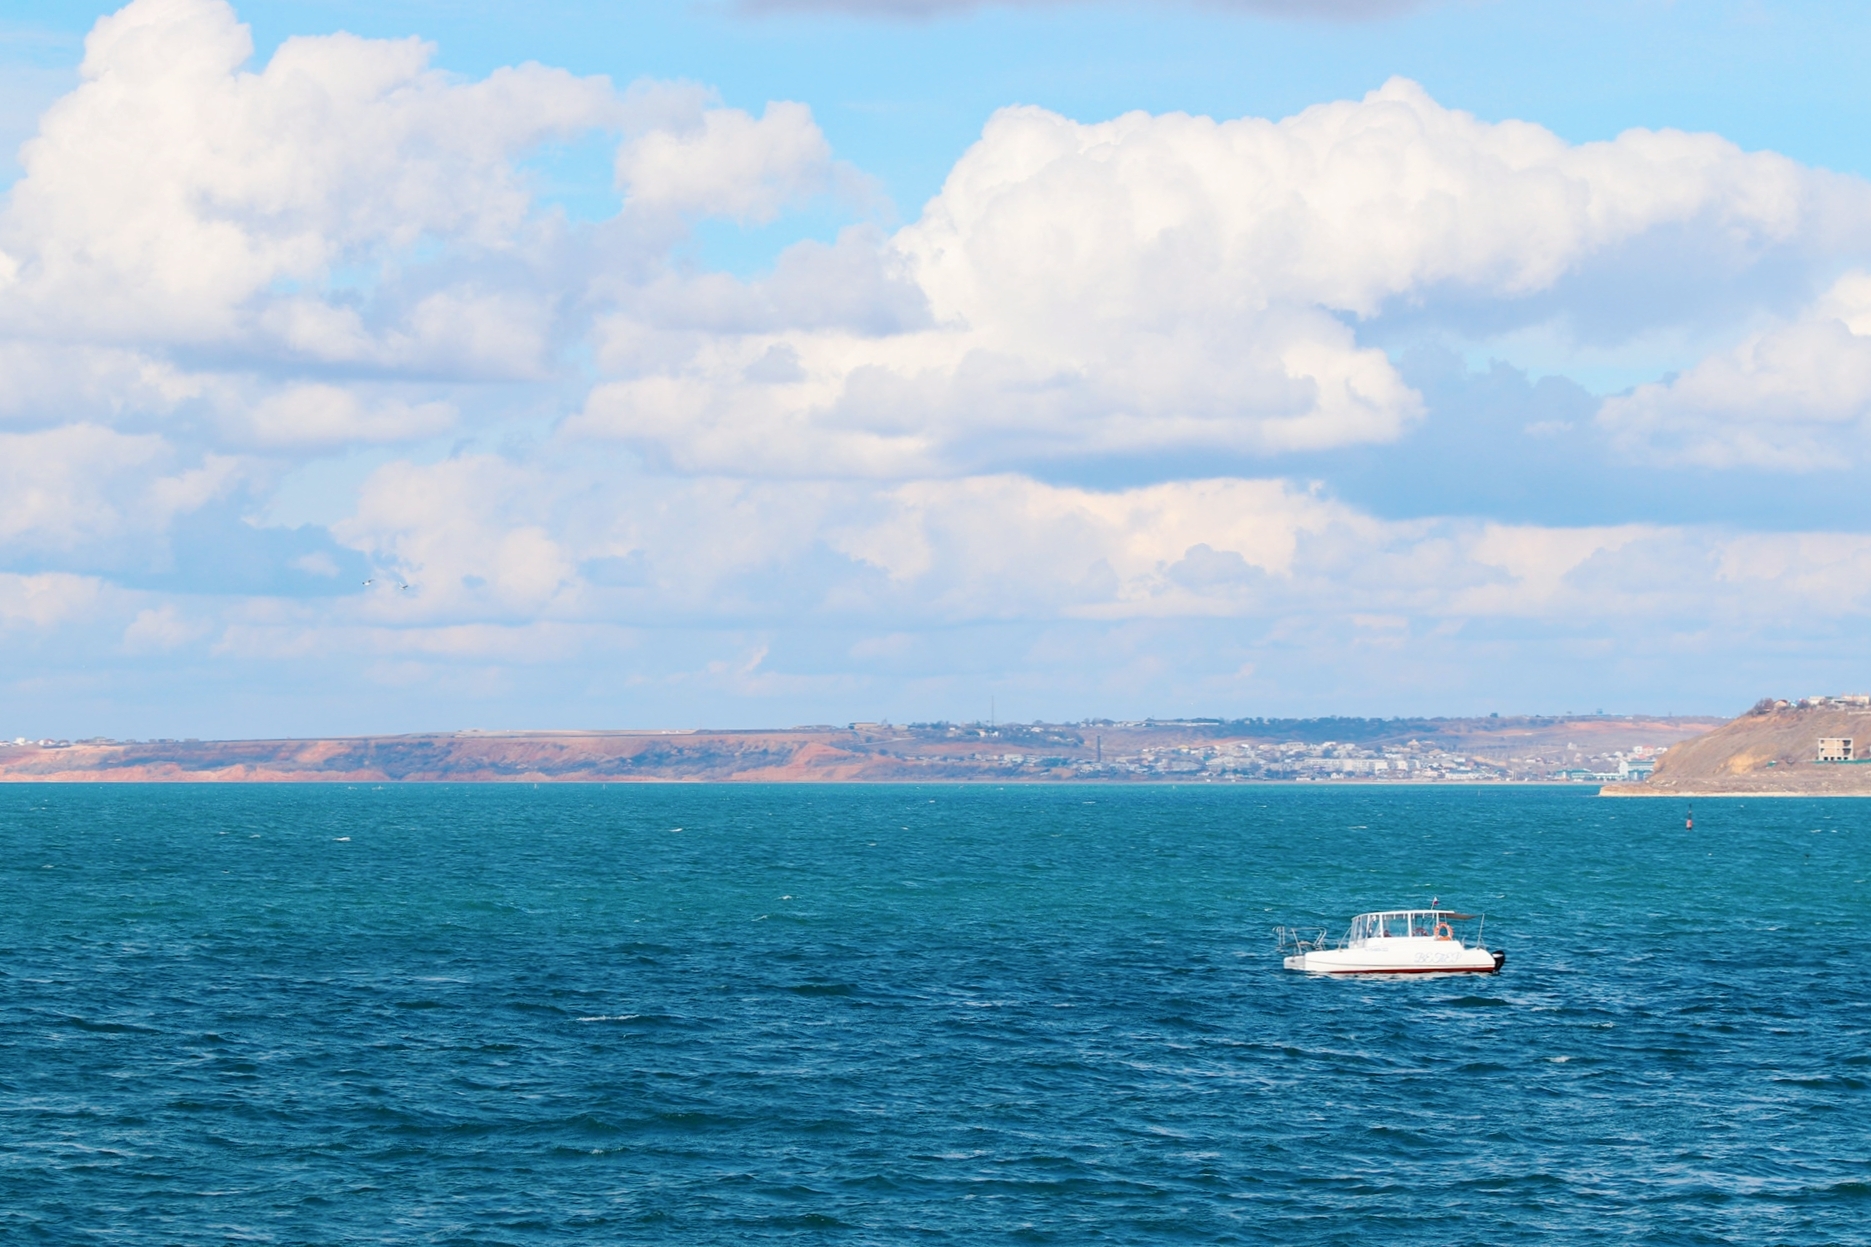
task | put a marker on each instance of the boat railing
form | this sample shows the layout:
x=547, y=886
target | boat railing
x=1301, y=939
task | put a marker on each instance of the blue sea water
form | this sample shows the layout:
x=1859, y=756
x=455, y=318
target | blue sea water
x=700, y=1014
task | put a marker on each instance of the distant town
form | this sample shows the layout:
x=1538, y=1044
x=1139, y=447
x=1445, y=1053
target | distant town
x=1428, y=758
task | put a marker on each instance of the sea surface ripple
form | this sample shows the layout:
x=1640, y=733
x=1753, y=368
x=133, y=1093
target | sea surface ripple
x=716, y=1014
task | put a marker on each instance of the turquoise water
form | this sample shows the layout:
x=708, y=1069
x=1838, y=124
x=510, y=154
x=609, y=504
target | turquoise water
x=922, y=1014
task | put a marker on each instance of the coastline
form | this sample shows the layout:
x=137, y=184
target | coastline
x=1714, y=794
x=217, y=779
x=1366, y=753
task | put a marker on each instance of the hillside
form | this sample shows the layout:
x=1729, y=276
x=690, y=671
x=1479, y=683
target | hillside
x=1773, y=749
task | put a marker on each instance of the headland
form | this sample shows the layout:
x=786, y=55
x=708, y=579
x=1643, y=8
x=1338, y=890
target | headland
x=1813, y=747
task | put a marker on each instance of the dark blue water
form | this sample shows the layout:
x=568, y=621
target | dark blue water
x=891, y=1015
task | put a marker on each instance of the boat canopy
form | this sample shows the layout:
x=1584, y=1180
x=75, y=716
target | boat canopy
x=1403, y=923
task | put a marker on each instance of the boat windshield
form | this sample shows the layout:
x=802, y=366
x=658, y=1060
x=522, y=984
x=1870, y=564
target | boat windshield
x=1405, y=924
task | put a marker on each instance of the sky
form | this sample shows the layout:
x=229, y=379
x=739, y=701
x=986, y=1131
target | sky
x=421, y=365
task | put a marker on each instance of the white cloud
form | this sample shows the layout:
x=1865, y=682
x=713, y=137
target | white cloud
x=51, y=383
x=217, y=274
x=173, y=187
x=47, y=599
x=466, y=535
x=481, y=540
x=1827, y=571
x=1008, y=545
x=462, y=331
x=1795, y=397
x=158, y=629
x=1151, y=219
x=1011, y=547
x=1173, y=283
x=332, y=416
x=728, y=164
x=77, y=488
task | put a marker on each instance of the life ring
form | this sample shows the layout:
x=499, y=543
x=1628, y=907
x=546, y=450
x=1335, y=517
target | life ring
x=1444, y=931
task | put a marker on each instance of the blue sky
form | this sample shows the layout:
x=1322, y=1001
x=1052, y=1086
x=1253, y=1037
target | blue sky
x=741, y=365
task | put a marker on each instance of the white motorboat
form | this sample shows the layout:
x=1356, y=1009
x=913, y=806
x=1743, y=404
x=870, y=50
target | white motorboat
x=1395, y=941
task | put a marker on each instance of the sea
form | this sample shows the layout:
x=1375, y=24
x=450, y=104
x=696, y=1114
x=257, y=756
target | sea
x=698, y=1014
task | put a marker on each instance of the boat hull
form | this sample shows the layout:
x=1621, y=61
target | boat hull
x=1399, y=956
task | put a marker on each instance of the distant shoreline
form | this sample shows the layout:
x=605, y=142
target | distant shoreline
x=1365, y=753
x=68, y=780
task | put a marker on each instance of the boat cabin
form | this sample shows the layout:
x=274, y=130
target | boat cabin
x=1407, y=924
x=1395, y=941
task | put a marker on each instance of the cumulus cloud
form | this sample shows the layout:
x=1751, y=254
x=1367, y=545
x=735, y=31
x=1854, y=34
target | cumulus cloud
x=173, y=186
x=480, y=538
x=461, y=331
x=1249, y=549
x=1007, y=545
x=346, y=204
x=1347, y=204
x=58, y=383
x=47, y=599
x=1069, y=393
x=1160, y=283
x=74, y=489
x=729, y=164
x=1796, y=397
x=466, y=533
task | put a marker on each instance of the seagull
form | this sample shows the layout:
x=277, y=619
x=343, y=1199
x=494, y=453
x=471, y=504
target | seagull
x=370, y=582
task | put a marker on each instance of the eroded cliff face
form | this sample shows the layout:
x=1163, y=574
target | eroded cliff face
x=1768, y=750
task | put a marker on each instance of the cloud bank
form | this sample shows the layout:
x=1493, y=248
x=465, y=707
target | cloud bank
x=1086, y=408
